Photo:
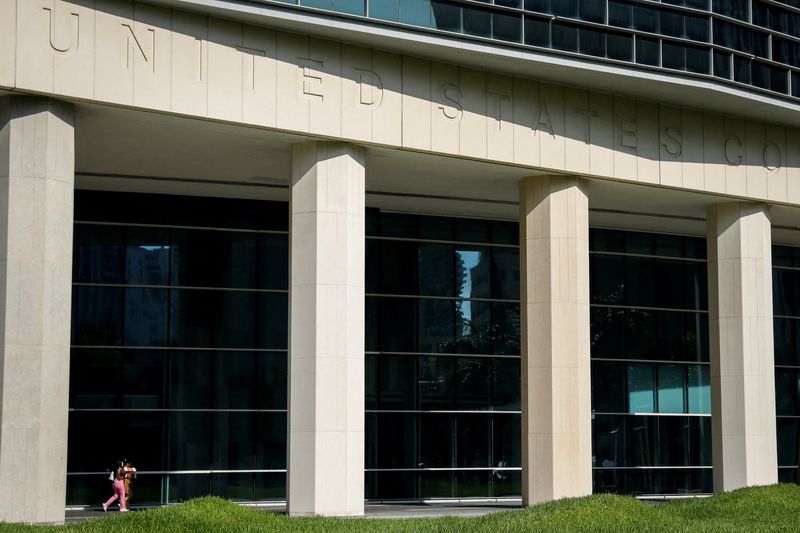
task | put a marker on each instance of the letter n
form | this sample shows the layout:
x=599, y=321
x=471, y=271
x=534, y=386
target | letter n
x=145, y=48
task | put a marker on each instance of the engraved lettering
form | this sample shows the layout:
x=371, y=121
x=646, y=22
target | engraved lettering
x=311, y=72
x=590, y=115
x=494, y=105
x=249, y=65
x=131, y=44
x=627, y=133
x=370, y=88
x=673, y=145
x=71, y=45
x=772, y=157
x=452, y=93
x=543, y=121
x=732, y=158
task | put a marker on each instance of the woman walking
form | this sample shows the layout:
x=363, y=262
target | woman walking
x=118, y=484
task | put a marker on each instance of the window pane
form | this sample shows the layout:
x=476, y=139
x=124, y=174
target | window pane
x=416, y=12
x=507, y=27
x=473, y=437
x=473, y=383
x=671, y=384
x=641, y=388
x=565, y=37
x=446, y=16
x=673, y=440
x=505, y=273
x=609, y=436
x=643, y=443
x=397, y=324
x=99, y=252
x=97, y=316
x=207, y=258
x=506, y=385
x=473, y=272
x=145, y=321
x=437, y=326
x=398, y=267
x=436, y=270
x=646, y=51
x=699, y=392
x=397, y=441
x=437, y=382
x=608, y=387
x=147, y=254
x=477, y=22
x=436, y=441
x=383, y=9
x=397, y=382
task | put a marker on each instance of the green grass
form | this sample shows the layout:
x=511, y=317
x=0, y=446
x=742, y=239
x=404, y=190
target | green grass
x=774, y=508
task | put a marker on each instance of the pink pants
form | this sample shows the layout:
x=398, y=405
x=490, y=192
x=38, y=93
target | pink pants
x=119, y=492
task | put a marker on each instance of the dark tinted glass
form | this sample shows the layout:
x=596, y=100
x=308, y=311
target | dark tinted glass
x=537, y=31
x=608, y=387
x=647, y=51
x=477, y=21
x=564, y=37
x=507, y=27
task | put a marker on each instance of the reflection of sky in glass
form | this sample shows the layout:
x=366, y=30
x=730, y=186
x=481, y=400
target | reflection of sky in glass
x=469, y=259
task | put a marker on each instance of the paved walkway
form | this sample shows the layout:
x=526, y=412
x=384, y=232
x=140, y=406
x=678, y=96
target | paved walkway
x=373, y=510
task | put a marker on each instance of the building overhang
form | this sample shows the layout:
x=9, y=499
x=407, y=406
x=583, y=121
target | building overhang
x=568, y=69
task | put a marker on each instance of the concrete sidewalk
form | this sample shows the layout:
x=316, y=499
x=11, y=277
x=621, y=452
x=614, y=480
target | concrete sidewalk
x=372, y=510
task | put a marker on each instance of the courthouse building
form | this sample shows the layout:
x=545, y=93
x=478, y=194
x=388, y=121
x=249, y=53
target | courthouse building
x=329, y=251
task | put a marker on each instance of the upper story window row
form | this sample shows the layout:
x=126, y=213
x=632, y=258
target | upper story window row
x=749, y=43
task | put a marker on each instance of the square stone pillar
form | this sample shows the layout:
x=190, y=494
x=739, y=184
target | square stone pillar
x=326, y=348
x=37, y=170
x=741, y=346
x=554, y=294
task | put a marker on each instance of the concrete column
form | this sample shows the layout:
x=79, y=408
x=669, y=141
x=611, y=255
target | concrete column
x=741, y=346
x=554, y=292
x=37, y=168
x=326, y=349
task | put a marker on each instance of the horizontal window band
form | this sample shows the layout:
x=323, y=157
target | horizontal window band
x=176, y=348
x=648, y=256
x=696, y=415
x=440, y=412
x=453, y=298
x=210, y=411
x=786, y=268
x=443, y=241
x=649, y=361
x=434, y=354
x=183, y=472
x=449, y=469
x=647, y=308
x=168, y=226
x=683, y=467
x=177, y=287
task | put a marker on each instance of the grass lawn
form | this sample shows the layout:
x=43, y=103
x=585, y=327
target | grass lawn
x=774, y=508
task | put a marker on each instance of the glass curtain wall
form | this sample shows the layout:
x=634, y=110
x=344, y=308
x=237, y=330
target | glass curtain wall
x=179, y=339
x=651, y=400
x=786, y=303
x=442, y=358
x=749, y=43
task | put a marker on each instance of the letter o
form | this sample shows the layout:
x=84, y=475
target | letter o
x=772, y=163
